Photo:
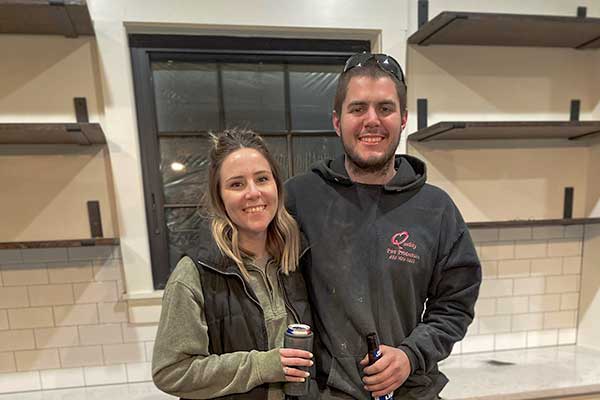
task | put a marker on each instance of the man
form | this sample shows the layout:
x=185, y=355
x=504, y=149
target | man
x=389, y=253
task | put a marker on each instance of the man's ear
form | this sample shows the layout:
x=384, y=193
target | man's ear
x=404, y=119
x=335, y=118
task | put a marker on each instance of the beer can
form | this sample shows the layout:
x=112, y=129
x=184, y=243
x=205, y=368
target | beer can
x=298, y=336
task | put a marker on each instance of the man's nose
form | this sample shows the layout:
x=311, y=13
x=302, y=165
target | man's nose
x=371, y=117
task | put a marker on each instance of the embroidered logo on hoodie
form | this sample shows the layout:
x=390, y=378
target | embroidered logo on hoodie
x=403, y=249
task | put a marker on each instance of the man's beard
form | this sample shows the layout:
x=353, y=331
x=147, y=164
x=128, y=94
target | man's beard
x=370, y=165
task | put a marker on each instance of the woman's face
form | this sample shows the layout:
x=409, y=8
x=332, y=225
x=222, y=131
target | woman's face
x=248, y=191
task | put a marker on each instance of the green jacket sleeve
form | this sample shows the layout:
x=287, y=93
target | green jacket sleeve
x=181, y=363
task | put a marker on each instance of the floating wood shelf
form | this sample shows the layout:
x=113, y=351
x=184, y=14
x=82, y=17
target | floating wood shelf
x=533, y=222
x=75, y=133
x=506, y=130
x=48, y=244
x=70, y=18
x=490, y=29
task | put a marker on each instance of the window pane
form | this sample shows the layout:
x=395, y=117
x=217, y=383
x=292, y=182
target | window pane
x=278, y=148
x=253, y=96
x=310, y=149
x=312, y=89
x=186, y=96
x=186, y=227
x=183, y=165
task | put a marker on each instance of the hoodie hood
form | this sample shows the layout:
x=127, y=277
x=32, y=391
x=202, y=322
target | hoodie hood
x=411, y=173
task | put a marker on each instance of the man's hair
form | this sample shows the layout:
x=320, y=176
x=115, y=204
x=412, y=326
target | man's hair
x=283, y=235
x=372, y=70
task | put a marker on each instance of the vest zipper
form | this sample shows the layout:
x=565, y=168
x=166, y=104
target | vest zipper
x=250, y=295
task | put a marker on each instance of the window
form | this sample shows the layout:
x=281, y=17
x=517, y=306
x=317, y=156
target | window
x=188, y=86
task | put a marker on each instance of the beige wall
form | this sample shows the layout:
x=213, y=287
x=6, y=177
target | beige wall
x=47, y=187
x=383, y=21
x=47, y=190
x=43, y=74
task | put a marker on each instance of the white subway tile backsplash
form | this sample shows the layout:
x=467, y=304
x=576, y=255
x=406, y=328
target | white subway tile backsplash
x=562, y=284
x=485, y=307
x=497, y=251
x=62, y=378
x=569, y=301
x=44, y=255
x=20, y=382
x=484, y=235
x=474, y=344
x=105, y=375
x=50, y=295
x=497, y=324
x=3, y=320
x=512, y=305
x=524, y=286
x=489, y=269
x=574, y=231
x=12, y=297
x=38, y=317
x=546, y=266
x=144, y=313
x=149, y=349
x=124, y=353
x=531, y=249
x=560, y=319
x=80, y=356
x=527, y=322
x=564, y=247
x=80, y=314
x=67, y=336
x=30, y=360
x=11, y=256
x=542, y=338
x=521, y=233
x=513, y=268
x=95, y=292
x=22, y=275
x=139, y=372
x=16, y=340
x=95, y=253
x=567, y=336
x=548, y=232
x=112, y=312
x=473, y=328
x=571, y=265
x=7, y=362
x=546, y=302
x=66, y=272
x=107, y=270
x=496, y=288
x=100, y=334
x=139, y=333
x=506, y=341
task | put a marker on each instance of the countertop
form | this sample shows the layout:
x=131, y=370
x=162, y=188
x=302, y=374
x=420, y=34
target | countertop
x=523, y=374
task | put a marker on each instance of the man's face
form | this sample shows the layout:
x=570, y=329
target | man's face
x=370, y=123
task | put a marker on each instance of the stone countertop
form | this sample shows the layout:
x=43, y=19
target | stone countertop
x=522, y=374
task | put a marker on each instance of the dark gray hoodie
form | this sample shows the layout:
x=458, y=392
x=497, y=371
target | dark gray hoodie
x=396, y=259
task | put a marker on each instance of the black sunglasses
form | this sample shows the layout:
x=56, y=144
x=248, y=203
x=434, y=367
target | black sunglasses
x=385, y=62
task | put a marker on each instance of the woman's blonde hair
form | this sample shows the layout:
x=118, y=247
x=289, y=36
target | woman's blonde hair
x=283, y=235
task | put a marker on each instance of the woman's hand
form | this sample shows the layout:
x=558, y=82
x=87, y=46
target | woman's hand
x=291, y=358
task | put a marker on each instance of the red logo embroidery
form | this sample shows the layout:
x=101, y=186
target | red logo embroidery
x=399, y=253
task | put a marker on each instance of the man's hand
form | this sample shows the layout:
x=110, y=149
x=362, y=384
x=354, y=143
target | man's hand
x=388, y=373
x=295, y=358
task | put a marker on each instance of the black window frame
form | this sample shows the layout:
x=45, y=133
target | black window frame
x=145, y=49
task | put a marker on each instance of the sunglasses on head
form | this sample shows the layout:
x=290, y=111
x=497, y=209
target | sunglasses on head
x=383, y=61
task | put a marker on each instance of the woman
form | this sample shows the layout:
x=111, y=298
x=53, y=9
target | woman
x=227, y=304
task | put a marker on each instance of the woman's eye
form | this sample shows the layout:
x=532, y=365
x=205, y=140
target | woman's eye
x=263, y=179
x=235, y=185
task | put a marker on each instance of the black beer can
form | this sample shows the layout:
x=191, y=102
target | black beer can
x=298, y=336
